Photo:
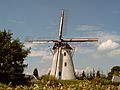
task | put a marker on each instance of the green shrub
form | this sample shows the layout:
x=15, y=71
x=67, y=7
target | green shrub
x=106, y=82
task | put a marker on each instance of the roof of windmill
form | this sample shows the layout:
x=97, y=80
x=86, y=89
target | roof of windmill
x=64, y=46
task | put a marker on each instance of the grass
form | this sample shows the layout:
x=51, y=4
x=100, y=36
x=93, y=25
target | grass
x=50, y=83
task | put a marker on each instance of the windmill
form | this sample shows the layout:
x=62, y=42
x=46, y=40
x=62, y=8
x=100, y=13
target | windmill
x=62, y=63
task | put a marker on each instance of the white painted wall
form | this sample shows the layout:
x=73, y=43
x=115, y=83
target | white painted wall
x=62, y=64
x=116, y=79
x=68, y=72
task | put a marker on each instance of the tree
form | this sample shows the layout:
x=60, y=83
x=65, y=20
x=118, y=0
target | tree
x=12, y=56
x=114, y=71
x=83, y=75
x=35, y=73
x=93, y=73
x=91, y=76
x=87, y=75
x=98, y=74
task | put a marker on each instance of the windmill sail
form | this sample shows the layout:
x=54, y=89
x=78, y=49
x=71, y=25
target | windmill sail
x=61, y=25
x=62, y=64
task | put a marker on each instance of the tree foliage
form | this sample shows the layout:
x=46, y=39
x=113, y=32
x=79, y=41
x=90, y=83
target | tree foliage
x=115, y=68
x=83, y=75
x=12, y=56
x=98, y=74
x=35, y=73
x=114, y=71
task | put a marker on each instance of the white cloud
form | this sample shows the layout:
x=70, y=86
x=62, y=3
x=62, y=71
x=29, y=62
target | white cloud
x=86, y=70
x=103, y=36
x=44, y=71
x=39, y=50
x=30, y=45
x=108, y=45
x=83, y=50
x=44, y=54
x=97, y=31
x=114, y=53
x=107, y=49
x=41, y=71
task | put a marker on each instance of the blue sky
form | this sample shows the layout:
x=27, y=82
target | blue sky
x=83, y=18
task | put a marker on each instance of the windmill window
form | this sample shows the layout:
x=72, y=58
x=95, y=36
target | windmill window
x=64, y=53
x=59, y=73
x=65, y=64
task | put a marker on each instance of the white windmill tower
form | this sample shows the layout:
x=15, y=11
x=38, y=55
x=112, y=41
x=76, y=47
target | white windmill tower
x=62, y=63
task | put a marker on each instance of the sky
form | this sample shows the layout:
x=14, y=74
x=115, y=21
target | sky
x=83, y=18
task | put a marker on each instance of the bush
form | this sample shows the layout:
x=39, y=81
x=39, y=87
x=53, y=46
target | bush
x=106, y=82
